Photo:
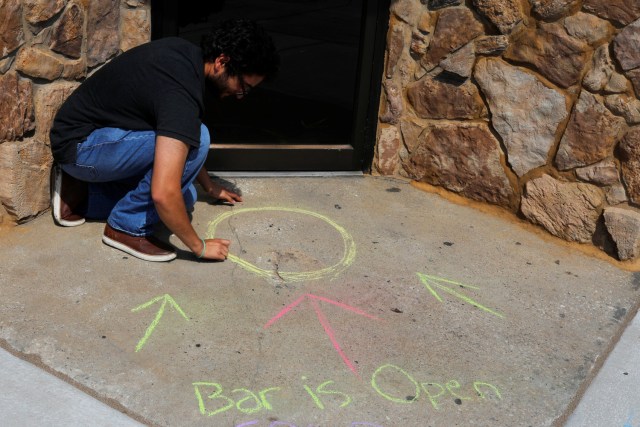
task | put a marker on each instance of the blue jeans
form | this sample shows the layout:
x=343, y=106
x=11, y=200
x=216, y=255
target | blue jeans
x=118, y=165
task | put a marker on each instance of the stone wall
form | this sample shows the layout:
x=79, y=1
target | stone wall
x=531, y=105
x=46, y=48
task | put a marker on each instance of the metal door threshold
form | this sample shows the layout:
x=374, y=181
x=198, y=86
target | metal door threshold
x=281, y=174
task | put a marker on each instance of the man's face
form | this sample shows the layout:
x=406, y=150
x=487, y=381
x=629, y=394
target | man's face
x=238, y=86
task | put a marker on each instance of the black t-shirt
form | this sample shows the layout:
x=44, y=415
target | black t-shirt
x=156, y=86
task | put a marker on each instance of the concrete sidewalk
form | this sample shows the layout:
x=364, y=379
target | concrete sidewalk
x=347, y=301
x=613, y=398
x=32, y=397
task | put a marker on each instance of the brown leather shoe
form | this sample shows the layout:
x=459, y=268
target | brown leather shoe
x=147, y=248
x=68, y=195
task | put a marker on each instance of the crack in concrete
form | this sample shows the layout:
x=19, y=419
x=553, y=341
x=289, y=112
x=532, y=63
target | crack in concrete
x=234, y=231
x=276, y=268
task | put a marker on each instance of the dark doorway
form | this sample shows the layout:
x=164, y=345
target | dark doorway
x=320, y=113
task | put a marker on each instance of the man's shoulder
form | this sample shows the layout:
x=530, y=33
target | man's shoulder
x=173, y=43
x=173, y=50
x=168, y=46
x=171, y=40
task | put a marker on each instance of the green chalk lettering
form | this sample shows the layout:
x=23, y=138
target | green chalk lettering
x=321, y=390
x=213, y=396
x=315, y=398
x=374, y=384
x=453, y=384
x=201, y=406
x=250, y=396
x=432, y=397
x=491, y=386
x=263, y=397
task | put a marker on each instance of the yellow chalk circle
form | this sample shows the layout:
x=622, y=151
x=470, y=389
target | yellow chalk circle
x=291, y=276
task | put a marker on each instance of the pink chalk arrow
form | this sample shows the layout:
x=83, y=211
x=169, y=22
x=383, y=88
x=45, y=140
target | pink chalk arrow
x=313, y=300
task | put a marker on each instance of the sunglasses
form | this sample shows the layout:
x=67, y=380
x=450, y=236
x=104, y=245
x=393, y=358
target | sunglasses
x=245, y=87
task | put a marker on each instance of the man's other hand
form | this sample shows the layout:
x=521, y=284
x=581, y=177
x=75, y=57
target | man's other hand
x=218, y=192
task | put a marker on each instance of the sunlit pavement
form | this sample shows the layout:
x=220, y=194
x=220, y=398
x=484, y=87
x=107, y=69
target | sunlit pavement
x=355, y=301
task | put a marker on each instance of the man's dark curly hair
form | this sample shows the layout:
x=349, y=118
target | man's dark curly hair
x=249, y=48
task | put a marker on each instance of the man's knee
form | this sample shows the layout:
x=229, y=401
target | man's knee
x=205, y=138
x=205, y=141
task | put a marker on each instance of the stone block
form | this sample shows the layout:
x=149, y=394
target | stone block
x=566, y=209
x=395, y=47
x=440, y=4
x=10, y=27
x=524, y=111
x=556, y=55
x=461, y=61
x=626, y=46
x=135, y=28
x=601, y=173
x=102, y=31
x=550, y=10
x=619, y=11
x=629, y=154
x=40, y=63
x=419, y=43
x=603, y=75
x=66, y=37
x=411, y=130
x=38, y=11
x=455, y=28
x=24, y=168
x=407, y=10
x=616, y=194
x=3, y=214
x=437, y=98
x=464, y=158
x=387, y=150
x=623, y=224
x=634, y=76
x=491, y=45
x=16, y=106
x=393, y=102
x=590, y=135
x=506, y=15
x=625, y=106
x=47, y=101
x=588, y=28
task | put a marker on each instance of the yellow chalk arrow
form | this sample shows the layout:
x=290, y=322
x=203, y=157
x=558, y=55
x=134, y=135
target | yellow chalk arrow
x=431, y=282
x=165, y=298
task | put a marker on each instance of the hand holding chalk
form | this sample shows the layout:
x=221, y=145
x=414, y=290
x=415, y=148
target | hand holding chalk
x=217, y=249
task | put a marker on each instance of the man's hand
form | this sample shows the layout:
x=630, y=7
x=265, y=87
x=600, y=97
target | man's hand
x=218, y=192
x=217, y=249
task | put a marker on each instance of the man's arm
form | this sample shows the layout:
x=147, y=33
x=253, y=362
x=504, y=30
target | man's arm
x=217, y=192
x=166, y=192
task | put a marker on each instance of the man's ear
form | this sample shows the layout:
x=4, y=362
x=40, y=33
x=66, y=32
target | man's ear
x=220, y=63
x=223, y=59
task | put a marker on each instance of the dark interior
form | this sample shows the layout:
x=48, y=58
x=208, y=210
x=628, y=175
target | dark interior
x=317, y=97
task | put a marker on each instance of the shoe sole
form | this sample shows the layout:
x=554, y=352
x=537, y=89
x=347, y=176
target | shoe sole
x=56, y=188
x=153, y=258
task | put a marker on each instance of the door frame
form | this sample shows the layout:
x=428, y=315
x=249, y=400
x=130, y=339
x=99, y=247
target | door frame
x=357, y=156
